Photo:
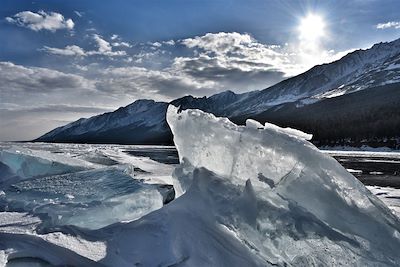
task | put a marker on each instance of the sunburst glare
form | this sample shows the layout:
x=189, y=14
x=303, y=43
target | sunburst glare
x=312, y=27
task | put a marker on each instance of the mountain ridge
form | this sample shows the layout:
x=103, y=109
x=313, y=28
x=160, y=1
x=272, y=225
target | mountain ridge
x=359, y=70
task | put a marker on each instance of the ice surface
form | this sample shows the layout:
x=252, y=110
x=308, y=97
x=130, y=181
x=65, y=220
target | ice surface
x=90, y=199
x=27, y=163
x=17, y=250
x=161, y=172
x=53, y=196
x=65, y=187
x=23, y=224
x=289, y=131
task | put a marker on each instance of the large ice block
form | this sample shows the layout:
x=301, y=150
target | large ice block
x=284, y=200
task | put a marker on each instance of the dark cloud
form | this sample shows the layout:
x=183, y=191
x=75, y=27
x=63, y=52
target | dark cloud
x=237, y=75
x=57, y=108
x=16, y=78
x=146, y=83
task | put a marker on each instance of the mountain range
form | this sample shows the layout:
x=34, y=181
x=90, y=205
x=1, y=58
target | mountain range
x=352, y=101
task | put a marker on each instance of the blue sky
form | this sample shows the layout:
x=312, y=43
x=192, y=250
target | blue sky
x=62, y=60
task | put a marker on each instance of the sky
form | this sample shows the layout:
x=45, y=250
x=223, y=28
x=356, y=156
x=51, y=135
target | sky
x=63, y=60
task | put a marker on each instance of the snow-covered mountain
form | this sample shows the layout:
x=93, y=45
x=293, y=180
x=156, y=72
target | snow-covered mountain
x=356, y=71
x=376, y=69
x=141, y=122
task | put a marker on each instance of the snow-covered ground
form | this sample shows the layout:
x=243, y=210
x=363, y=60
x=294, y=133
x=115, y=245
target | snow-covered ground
x=371, y=152
x=246, y=196
x=390, y=196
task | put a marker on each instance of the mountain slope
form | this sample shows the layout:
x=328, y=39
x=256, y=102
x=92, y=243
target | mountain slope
x=368, y=117
x=142, y=122
x=366, y=75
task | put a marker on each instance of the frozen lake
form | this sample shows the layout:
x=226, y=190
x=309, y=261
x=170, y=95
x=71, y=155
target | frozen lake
x=98, y=186
x=379, y=171
x=373, y=169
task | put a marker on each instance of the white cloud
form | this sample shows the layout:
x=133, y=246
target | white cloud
x=123, y=44
x=70, y=50
x=221, y=42
x=104, y=46
x=79, y=14
x=81, y=68
x=157, y=44
x=169, y=42
x=41, y=20
x=117, y=41
x=387, y=25
x=104, y=49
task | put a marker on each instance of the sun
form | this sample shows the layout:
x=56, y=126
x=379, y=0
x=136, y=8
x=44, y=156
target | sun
x=311, y=27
